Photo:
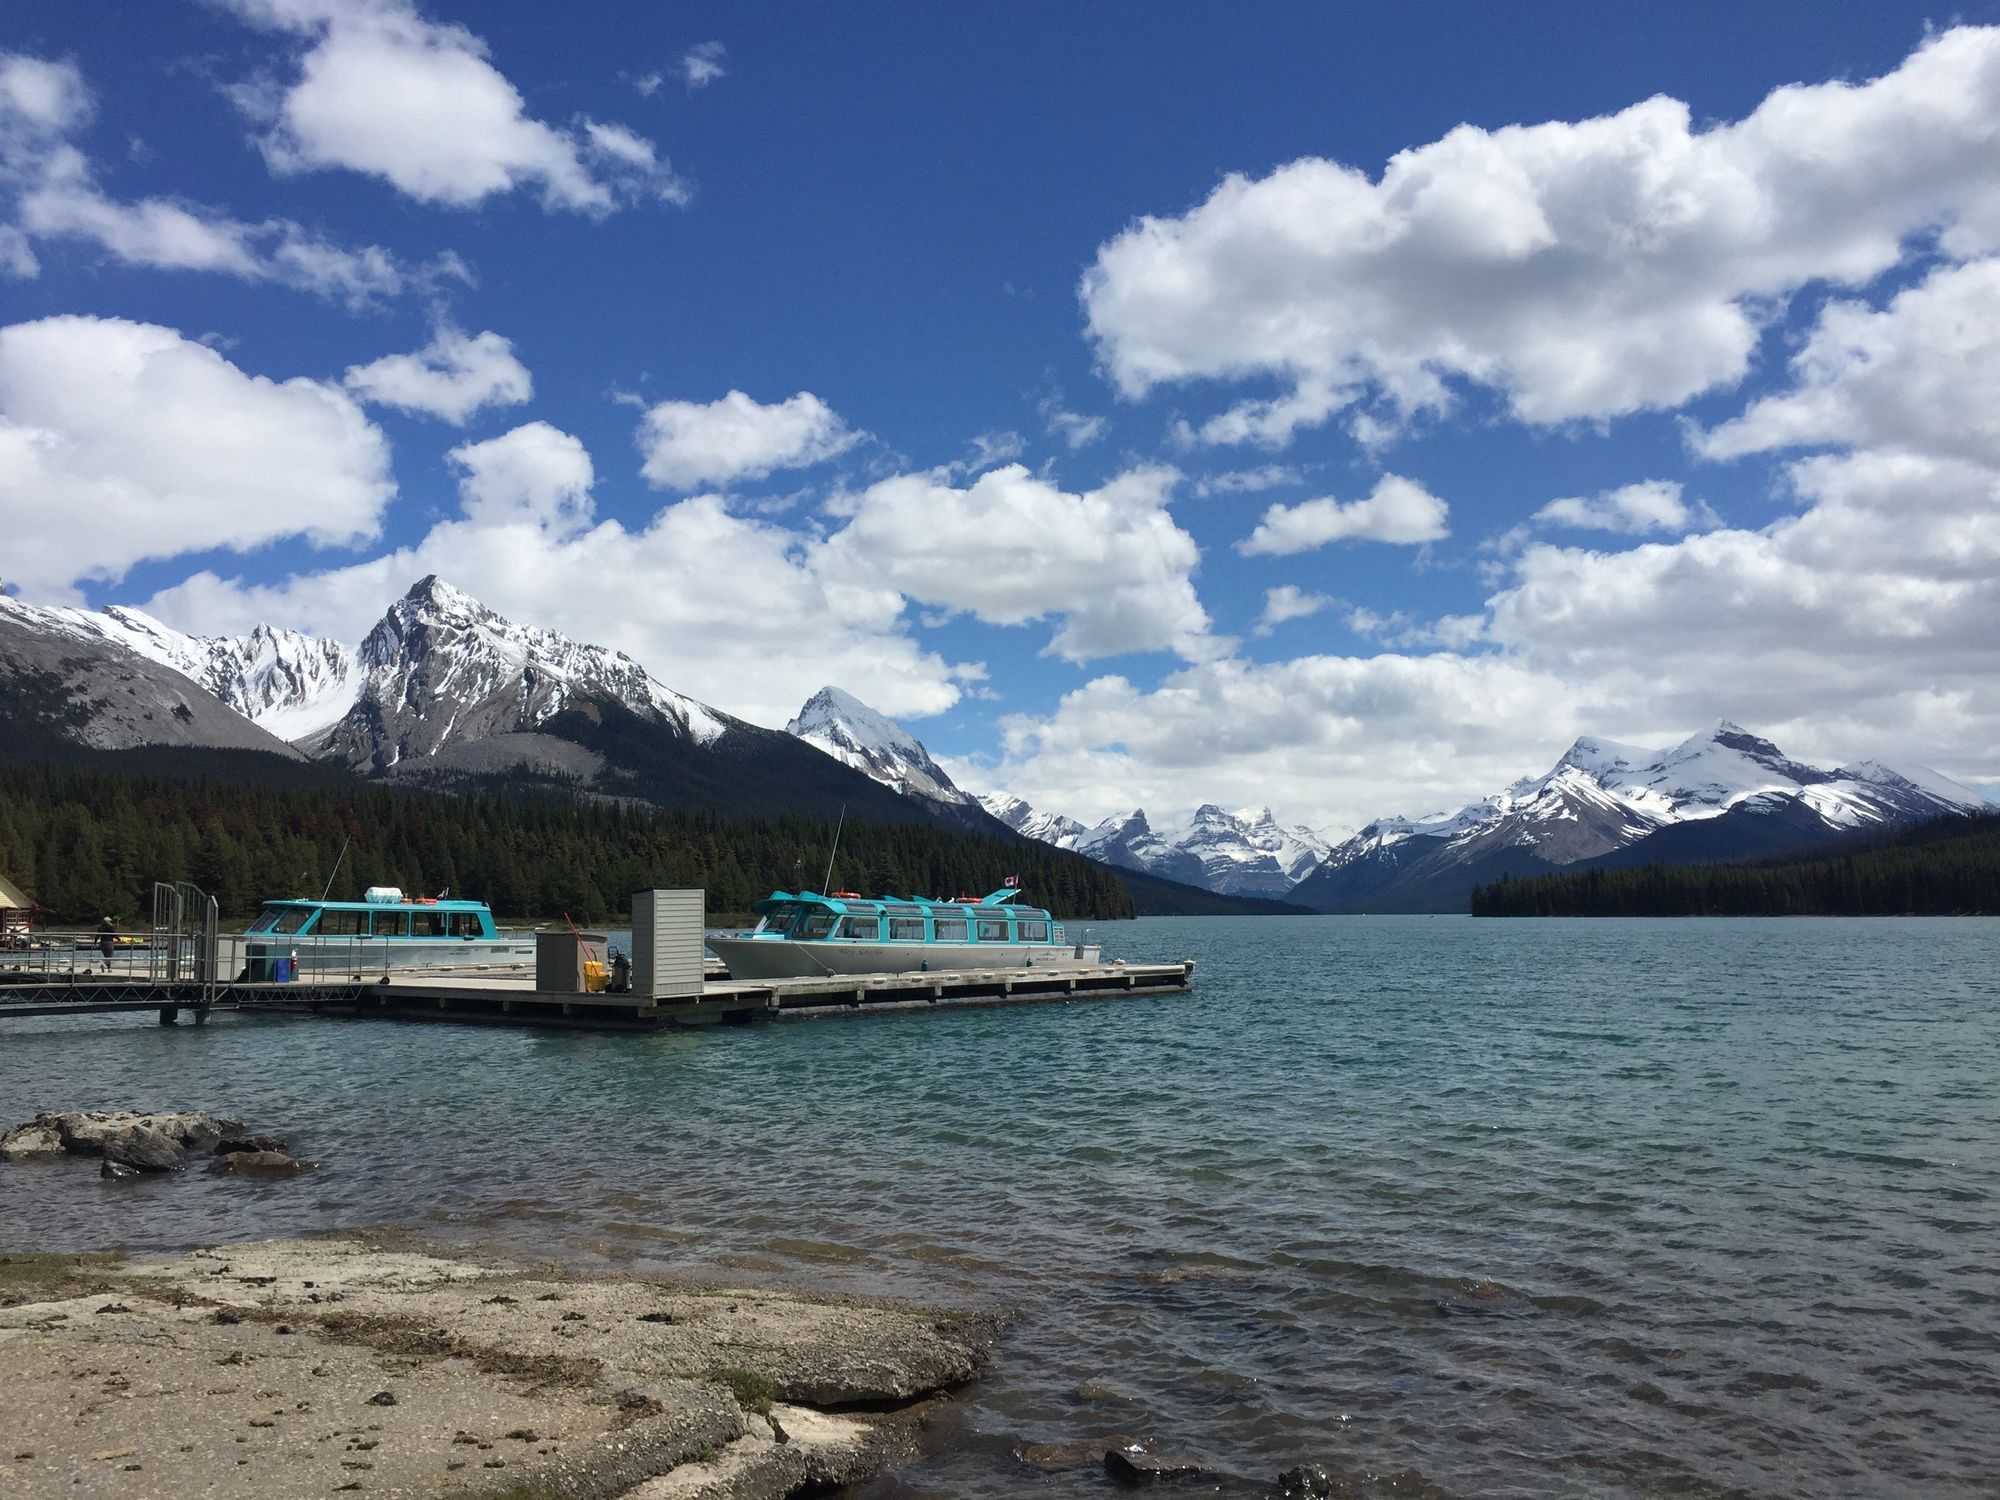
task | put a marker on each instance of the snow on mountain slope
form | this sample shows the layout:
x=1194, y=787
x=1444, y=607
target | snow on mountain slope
x=73, y=675
x=1130, y=840
x=442, y=670
x=1048, y=828
x=285, y=682
x=1602, y=796
x=841, y=725
x=1245, y=853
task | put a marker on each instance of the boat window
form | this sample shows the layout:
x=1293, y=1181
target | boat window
x=1029, y=914
x=816, y=925
x=427, y=924
x=779, y=920
x=865, y=928
x=266, y=921
x=391, y=924
x=292, y=918
x=906, y=929
x=465, y=924
x=1034, y=932
x=340, y=923
x=950, y=929
x=992, y=930
x=899, y=909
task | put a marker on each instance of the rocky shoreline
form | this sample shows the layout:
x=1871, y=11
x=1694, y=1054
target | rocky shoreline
x=364, y=1364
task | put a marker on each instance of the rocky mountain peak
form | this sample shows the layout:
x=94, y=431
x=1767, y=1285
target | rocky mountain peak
x=835, y=721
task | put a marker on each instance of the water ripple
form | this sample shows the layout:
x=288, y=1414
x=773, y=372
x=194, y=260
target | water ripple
x=1512, y=1208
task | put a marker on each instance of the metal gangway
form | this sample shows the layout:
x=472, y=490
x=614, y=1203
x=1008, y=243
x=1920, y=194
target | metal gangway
x=184, y=941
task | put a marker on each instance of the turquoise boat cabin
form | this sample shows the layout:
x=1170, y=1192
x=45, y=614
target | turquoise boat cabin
x=425, y=920
x=849, y=917
x=293, y=938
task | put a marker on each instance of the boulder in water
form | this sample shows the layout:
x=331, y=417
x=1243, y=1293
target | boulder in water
x=1134, y=1465
x=39, y=1138
x=236, y=1145
x=1305, y=1481
x=90, y=1132
x=260, y=1163
x=144, y=1149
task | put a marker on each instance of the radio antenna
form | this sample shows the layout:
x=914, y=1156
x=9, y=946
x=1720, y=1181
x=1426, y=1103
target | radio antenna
x=826, y=886
x=336, y=867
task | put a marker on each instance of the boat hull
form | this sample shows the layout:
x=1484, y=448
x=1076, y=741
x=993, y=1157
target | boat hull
x=783, y=958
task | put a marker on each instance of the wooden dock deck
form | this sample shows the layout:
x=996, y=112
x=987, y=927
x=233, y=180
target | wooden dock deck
x=514, y=1001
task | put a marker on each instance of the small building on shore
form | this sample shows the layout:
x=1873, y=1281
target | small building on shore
x=16, y=914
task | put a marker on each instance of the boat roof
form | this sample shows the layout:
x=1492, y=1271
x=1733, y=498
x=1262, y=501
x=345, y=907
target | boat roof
x=407, y=903
x=848, y=901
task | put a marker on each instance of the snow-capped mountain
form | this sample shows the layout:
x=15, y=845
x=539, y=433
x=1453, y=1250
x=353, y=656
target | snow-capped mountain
x=68, y=674
x=283, y=681
x=1236, y=854
x=442, y=671
x=1248, y=853
x=1131, y=841
x=841, y=725
x=1722, y=793
x=1049, y=828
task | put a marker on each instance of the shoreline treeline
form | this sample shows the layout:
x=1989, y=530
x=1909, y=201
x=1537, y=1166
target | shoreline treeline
x=87, y=841
x=1950, y=867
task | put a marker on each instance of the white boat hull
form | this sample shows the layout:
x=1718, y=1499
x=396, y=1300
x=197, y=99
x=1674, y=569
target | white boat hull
x=785, y=958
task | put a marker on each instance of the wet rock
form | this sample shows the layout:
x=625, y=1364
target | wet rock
x=238, y=1145
x=39, y=1138
x=1075, y=1453
x=1134, y=1465
x=116, y=1169
x=1310, y=1481
x=259, y=1164
x=382, y=1398
x=91, y=1132
x=144, y=1149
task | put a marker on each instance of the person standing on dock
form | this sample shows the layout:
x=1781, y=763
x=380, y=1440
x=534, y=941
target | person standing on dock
x=107, y=940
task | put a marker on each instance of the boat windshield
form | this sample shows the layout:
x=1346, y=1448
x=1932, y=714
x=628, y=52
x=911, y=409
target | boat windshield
x=281, y=919
x=780, y=919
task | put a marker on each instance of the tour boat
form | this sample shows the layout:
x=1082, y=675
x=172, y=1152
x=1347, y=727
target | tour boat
x=384, y=930
x=809, y=935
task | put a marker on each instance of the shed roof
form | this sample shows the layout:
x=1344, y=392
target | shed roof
x=11, y=896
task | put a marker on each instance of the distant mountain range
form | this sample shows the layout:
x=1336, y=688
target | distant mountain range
x=1722, y=794
x=444, y=688
x=1241, y=853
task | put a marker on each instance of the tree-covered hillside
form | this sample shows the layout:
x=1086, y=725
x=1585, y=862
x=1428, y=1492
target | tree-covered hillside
x=87, y=834
x=1945, y=868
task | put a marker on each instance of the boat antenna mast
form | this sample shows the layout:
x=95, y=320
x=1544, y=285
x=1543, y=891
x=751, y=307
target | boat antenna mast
x=336, y=867
x=826, y=886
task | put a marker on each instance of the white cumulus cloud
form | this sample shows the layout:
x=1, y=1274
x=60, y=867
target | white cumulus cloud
x=688, y=443
x=1290, y=602
x=57, y=197
x=123, y=441
x=1582, y=269
x=1649, y=505
x=1109, y=565
x=383, y=91
x=535, y=473
x=1397, y=510
x=451, y=377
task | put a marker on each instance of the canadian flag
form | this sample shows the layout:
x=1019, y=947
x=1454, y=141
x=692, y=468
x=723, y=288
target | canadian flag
x=1012, y=882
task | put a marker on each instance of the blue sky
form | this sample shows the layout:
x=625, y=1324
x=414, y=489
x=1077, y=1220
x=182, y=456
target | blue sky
x=1001, y=459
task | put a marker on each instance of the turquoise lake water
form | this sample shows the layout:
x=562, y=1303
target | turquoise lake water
x=1501, y=1208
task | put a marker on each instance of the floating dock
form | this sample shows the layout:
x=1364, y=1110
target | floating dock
x=504, y=1001
x=674, y=981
